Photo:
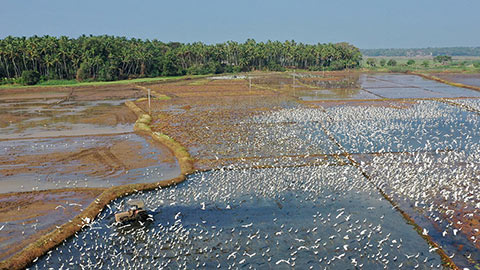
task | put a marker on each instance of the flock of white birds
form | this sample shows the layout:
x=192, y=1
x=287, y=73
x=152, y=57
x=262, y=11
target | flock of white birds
x=325, y=216
x=318, y=217
x=306, y=211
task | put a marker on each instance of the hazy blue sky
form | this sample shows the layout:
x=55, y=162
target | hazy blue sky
x=364, y=23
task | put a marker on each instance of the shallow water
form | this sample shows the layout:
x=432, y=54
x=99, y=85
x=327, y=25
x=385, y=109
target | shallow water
x=427, y=125
x=424, y=155
x=78, y=178
x=47, y=119
x=319, y=217
x=410, y=86
x=468, y=79
x=336, y=94
x=377, y=86
x=472, y=103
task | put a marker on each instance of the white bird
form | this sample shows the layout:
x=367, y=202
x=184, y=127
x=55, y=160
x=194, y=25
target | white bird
x=233, y=254
x=283, y=261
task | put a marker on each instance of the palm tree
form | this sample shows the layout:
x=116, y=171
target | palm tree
x=108, y=57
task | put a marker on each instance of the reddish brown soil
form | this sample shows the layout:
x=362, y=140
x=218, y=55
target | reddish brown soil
x=7, y=119
x=21, y=211
x=101, y=114
x=31, y=214
x=81, y=93
x=93, y=161
x=468, y=222
x=204, y=114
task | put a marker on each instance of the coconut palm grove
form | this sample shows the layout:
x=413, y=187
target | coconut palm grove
x=107, y=58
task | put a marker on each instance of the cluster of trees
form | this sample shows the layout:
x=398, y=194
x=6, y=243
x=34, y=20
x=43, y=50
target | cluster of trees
x=113, y=58
x=442, y=59
x=392, y=62
x=453, y=51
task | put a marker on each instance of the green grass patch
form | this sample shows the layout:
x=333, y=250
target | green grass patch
x=53, y=83
x=162, y=97
x=58, y=82
x=158, y=97
x=422, y=64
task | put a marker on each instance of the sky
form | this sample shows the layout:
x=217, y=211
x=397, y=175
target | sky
x=363, y=23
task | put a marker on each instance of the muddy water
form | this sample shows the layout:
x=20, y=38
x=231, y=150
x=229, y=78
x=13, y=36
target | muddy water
x=27, y=216
x=90, y=161
x=336, y=94
x=54, y=118
x=319, y=217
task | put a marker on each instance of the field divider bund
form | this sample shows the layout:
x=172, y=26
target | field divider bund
x=458, y=105
x=435, y=78
x=447, y=261
x=33, y=251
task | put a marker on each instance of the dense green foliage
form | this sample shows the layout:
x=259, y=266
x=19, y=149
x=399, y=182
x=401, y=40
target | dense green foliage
x=30, y=77
x=453, y=51
x=392, y=62
x=442, y=59
x=437, y=64
x=371, y=62
x=112, y=58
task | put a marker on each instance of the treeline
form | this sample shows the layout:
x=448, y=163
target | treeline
x=113, y=58
x=452, y=51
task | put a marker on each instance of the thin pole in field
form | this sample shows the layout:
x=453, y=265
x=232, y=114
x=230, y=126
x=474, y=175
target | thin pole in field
x=250, y=88
x=149, y=105
x=293, y=78
x=293, y=86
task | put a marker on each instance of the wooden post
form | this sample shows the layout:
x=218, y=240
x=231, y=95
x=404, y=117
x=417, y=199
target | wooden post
x=293, y=78
x=149, y=105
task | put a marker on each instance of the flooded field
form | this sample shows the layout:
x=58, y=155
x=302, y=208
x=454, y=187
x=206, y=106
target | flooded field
x=269, y=218
x=381, y=86
x=468, y=79
x=59, y=149
x=26, y=216
x=65, y=113
x=295, y=170
x=87, y=161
